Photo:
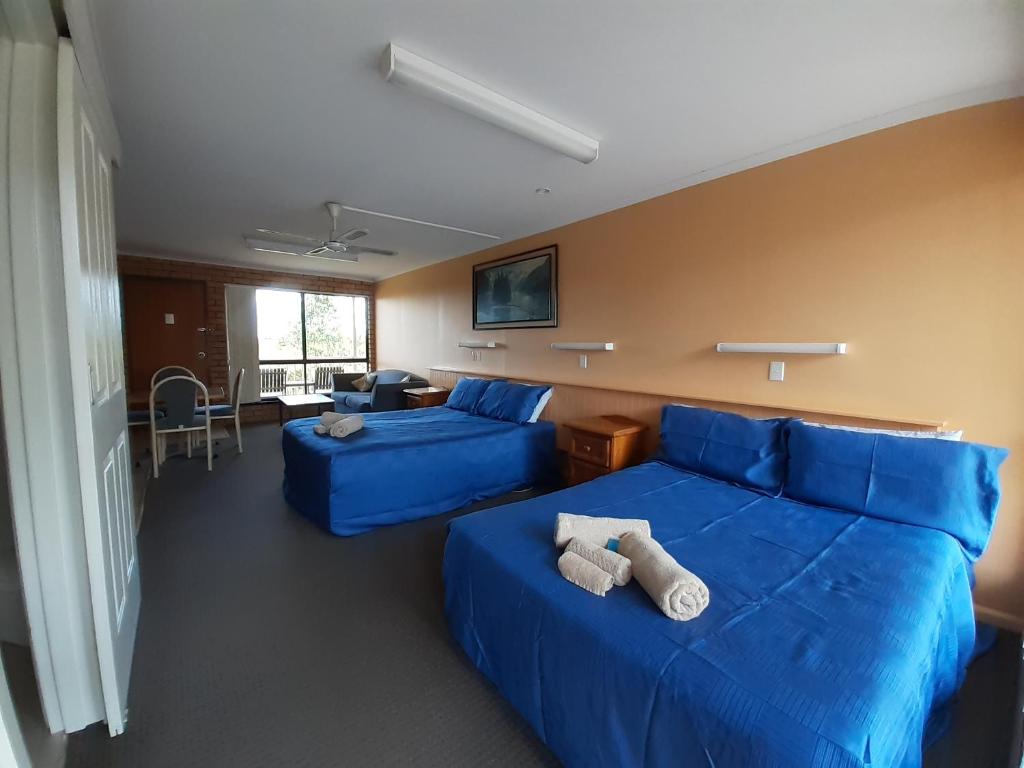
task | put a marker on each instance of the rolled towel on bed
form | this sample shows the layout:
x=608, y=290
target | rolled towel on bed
x=345, y=427
x=680, y=594
x=584, y=573
x=596, y=530
x=610, y=562
x=330, y=417
x=328, y=420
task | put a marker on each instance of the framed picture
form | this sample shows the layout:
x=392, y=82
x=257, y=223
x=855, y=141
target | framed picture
x=519, y=291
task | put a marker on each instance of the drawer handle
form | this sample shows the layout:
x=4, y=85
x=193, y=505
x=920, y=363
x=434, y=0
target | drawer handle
x=586, y=448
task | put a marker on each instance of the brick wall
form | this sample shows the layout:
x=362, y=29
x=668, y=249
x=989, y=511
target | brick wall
x=216, y=277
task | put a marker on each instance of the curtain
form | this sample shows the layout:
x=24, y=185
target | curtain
x=243, y=347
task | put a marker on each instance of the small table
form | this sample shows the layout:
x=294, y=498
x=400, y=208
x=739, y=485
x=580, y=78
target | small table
x=296, y=401
x=425, y=397
x=600, y=445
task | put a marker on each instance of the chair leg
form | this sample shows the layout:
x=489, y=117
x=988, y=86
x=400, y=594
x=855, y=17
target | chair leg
x=238, y=432
x=154, y=451
x=209, y=448
x=188, y=444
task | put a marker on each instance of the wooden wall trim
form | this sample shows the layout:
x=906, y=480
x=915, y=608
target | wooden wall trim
x=827, y=416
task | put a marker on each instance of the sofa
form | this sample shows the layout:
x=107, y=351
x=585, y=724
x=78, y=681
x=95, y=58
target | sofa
x=387, y=394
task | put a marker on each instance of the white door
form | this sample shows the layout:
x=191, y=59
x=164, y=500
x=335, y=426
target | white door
x=101, y=431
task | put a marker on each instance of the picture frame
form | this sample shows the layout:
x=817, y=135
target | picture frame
x=519, y=291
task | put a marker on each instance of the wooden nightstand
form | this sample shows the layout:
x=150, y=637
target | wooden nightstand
x=602, y=444
x=425, y=397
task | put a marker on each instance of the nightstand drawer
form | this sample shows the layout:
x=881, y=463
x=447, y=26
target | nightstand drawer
x=583, y=471
x=590, y=448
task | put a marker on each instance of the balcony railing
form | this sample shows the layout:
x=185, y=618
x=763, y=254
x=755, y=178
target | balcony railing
x=298, y=377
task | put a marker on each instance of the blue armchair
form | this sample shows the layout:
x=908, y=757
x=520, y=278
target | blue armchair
x=387, y=394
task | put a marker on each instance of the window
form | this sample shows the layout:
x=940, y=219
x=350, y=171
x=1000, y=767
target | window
x=306, y=337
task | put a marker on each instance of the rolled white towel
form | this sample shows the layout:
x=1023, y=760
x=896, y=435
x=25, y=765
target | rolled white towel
x=328, y=420
x=680, y=594
x=611, y=562
x=330, y=417
x=584, y=573
x=596, y=530
x=346, y=426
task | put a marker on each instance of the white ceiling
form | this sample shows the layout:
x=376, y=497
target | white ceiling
x=240, y=114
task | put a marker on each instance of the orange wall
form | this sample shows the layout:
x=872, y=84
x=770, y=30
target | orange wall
x=907, y=243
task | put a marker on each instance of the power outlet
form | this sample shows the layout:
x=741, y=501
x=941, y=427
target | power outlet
x=776, y=371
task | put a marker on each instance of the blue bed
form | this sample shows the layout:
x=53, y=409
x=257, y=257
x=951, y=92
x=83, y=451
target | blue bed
x=831, y=639
x=405, y=465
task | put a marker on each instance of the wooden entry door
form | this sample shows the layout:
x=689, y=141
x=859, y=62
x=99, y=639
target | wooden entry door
x=165, y=324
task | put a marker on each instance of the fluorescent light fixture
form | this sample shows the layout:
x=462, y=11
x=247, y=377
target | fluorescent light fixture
x=785, y=348
x=585, y=346
x=479, y=344
x=419, y=221
x=429, y=79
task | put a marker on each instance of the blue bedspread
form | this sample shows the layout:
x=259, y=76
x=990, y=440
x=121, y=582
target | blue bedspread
x=829, y=640
x=404, y=465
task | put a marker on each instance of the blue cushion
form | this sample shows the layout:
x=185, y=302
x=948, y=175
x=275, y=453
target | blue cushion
x=466, y=394
x=508, y=401
x=217, y=410
x=390, y=376
x=142, y=417
x=941, y=484
x=358, y=401
x=726, y=446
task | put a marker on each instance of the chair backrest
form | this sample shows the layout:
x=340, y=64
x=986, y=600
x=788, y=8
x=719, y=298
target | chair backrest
x=178, y=396
x=170, y=370
x=236, y=393
x=272, y=380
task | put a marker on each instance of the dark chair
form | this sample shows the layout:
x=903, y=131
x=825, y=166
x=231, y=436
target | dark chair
x=387, y=394
x=169, y=370
x=179, y=395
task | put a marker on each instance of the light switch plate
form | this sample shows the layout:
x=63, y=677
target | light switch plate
x=776, y=371
x=583, y=361
x=168, y=318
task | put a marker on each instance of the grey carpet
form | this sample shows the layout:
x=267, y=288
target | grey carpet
x=264, y=641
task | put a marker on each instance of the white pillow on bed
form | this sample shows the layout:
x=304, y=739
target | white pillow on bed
x=540, y=406
x=956, y=436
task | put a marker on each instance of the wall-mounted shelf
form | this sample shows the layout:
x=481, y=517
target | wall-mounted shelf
x=585, y=346
x=785, y=348
x=479, y=344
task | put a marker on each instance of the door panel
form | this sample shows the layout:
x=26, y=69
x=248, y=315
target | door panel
x=153, y=343
x=97, y=381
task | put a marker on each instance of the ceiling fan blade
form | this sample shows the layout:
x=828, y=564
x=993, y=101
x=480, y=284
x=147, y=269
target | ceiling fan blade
x=258, y=244
x=354, y=234
x=272, y=250
x=365, y=249
x=327, y=253
x=288, y=236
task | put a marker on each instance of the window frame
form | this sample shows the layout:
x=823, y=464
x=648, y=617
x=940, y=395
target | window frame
x=306, y=361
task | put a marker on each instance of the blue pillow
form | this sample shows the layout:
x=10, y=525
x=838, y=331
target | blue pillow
x=727, y=446
x=466, y=394
x=511, y=402
x=941, y=484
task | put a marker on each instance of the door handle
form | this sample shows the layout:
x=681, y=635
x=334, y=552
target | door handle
x=202, y=355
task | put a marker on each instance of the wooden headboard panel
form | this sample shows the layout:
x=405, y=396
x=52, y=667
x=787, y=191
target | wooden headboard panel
x=571, y=401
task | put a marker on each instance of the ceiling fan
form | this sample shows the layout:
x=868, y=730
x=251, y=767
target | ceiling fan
x=336, y=246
